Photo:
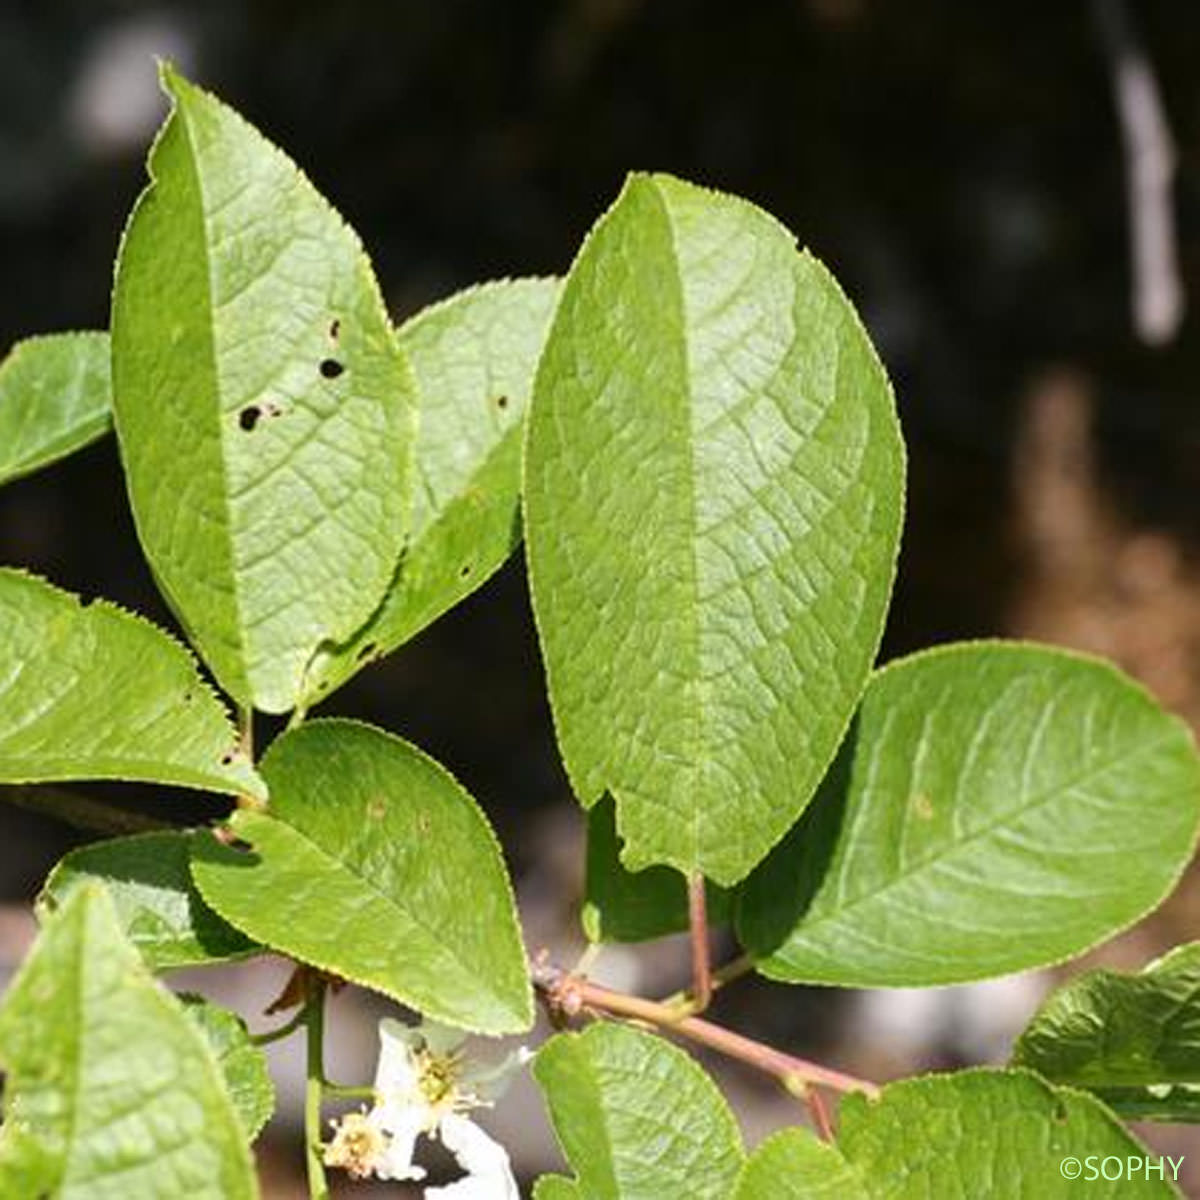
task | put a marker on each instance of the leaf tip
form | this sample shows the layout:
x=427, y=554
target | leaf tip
x=169, y=77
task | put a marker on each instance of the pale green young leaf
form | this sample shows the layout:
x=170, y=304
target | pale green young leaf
x=637, y=1118
x=55, y=398
x=794, y=1165
x=264, y=410
x=110, y=1091
x=713, y=495
x=150, y=883
x=1134, y=1040
x=629, y=906
x=243, y=1064
x=995, y=806
x=91, y=692
x=473, y=358
x=376, y=865
x=1006, y=1135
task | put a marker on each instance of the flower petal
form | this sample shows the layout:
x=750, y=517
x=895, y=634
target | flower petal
x=402, y=1125
x=440, y=1039
x=489, y=1173
x=396, y=1076
x=487, y=1082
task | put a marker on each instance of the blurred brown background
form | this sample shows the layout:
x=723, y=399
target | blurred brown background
x=964, y=171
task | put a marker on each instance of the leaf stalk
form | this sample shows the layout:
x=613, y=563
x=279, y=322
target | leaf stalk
x=565, y=996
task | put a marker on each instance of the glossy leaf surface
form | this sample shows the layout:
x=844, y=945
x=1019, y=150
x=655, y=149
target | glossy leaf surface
x=1002, y=1134
x=637, y=1118
x=376, y=865
x=264, y=411
x=149, y=881
x=473, y=358
x=995, y=807
x=1133, y=1040
x=55, y=398
x=243, y=1064
x=111, y=1092
x=92, y=692
x=714, y=479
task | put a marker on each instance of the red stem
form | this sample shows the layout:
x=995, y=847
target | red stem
x=818, y=1112
x=567, y=995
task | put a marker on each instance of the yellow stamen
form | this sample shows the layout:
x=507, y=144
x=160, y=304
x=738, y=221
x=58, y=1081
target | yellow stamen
x=357, y=1146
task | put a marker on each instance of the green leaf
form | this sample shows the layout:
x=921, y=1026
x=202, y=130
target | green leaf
x=1134, y=1040
x=264, y=410
x=713, y=495
x=1175, y=1104
x=473, y=357
x=794, y=1165
x=556, y=1187
x=376, y=865
x=627, y=906
x=111, y=1092
x=55, y=398
x=636, y=1117
x=988, y=812
x=157, y=905
x=988, y=1133
x=243, y=1064
x=91, y=692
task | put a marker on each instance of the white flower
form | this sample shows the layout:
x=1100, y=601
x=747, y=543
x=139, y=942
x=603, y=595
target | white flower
x=424, y=1085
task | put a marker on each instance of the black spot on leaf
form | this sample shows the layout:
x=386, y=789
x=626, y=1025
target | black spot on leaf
x=366, y=651
x=248, y=417
x=464, y=570
x=331, y=368
x=335, y=327
x=501, y=401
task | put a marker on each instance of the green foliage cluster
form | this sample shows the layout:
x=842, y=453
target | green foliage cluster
x=699, y=447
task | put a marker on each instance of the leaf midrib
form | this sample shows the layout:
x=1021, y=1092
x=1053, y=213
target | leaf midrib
x=192, y=160
x=696, y=688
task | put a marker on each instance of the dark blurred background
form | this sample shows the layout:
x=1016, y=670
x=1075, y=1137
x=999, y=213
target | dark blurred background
x=962, y=168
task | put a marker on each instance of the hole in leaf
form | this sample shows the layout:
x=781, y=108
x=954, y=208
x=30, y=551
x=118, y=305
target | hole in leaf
x=464, y=570
x=331, y=368
x=228, y=757
x=366, y=651
x=248, y=417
